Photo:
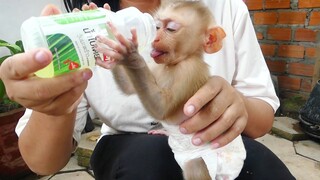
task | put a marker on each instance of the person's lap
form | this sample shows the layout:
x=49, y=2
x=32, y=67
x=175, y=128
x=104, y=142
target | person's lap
x=149, y=157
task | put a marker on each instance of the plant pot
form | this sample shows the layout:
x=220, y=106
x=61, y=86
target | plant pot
x=12, y=166
x=310, y=113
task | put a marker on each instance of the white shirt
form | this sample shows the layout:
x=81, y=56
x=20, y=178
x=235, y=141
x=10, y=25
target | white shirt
x=240, y=62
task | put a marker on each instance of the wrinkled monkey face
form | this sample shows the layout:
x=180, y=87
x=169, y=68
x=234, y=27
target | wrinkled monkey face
x=176, y=37
x=165, y=43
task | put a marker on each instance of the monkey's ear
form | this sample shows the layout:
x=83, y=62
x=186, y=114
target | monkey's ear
x=213, y=40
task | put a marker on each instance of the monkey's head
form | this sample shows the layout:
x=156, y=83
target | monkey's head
x=185, y=29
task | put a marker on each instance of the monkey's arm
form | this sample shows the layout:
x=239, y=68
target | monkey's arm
x=122, y=79
x=125, y=52
x=154, y=98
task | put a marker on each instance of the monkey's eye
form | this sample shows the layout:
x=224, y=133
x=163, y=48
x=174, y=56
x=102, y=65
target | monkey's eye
x=159, y=24
x=173, y=26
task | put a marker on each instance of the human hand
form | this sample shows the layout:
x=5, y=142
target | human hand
x=53, y=96
x=217, y=113
x=91, y=6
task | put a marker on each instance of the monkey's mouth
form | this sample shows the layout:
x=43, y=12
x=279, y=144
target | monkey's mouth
x=156, y=53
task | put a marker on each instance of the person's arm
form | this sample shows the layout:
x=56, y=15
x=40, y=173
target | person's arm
x=46, y=142
x=260, y=119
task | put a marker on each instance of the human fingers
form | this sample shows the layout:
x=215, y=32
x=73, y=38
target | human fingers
x=85, y=7
x=22, y=65
x=205, y=94
x=106, y=6
x=62, y=104
x=198, y=107
x=50, y=9
x=92, y=6
x=76, y=10
x=226, y=128
x=46, y=88
x=34, y=91
x=235, y=130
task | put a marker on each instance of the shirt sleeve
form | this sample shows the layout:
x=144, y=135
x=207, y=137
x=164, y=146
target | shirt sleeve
x=81, y=119
x=252, y=76
x=23, y=121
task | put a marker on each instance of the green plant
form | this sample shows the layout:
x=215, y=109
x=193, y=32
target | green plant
x=5, y=103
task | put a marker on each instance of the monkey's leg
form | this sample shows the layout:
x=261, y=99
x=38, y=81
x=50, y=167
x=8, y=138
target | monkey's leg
x=196, y=169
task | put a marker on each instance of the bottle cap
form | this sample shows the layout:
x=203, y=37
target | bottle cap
x=143, y=22
x=151, y=29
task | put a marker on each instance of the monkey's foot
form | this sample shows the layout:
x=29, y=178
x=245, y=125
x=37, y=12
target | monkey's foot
x=158, y=132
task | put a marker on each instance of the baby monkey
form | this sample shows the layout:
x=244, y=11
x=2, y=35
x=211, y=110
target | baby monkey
x=185, y=31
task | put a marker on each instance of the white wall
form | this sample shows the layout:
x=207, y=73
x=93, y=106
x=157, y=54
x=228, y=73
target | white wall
x=14, y=12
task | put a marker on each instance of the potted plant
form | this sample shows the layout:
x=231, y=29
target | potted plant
x=6, y=104
x=12, y=165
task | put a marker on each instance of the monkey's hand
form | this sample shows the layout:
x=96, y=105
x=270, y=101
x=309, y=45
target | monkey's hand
x=121, y=51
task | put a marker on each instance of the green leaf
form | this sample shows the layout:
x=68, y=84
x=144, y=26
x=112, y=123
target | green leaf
x=3, y=58
x=14, y=49
x=19, y=43
x=2, y=90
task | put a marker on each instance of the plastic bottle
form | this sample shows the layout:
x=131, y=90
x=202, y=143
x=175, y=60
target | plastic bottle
x=71, y=36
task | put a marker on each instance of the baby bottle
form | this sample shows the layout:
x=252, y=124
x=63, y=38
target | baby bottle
x=71, y=36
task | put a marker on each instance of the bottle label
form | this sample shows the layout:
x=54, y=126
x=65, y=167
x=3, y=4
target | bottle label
x=71, y=39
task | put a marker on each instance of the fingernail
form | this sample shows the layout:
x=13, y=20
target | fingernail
x=197, y=141
x=86, y=75
x=183, y=130
x=41, y=57
x=215, y=145
x=190, y=109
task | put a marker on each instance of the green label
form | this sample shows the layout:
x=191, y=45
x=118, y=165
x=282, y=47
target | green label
x=65, y=57
x=79, y=17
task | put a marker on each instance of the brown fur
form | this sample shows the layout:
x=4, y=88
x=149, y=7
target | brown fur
x=180, y=71
x=196, y=169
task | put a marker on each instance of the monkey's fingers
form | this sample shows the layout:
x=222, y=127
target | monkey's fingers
x=134, y=37
x=114, y=55
x=104, y=43
x=123, y=40
x=107, y=64
x=158, y=132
